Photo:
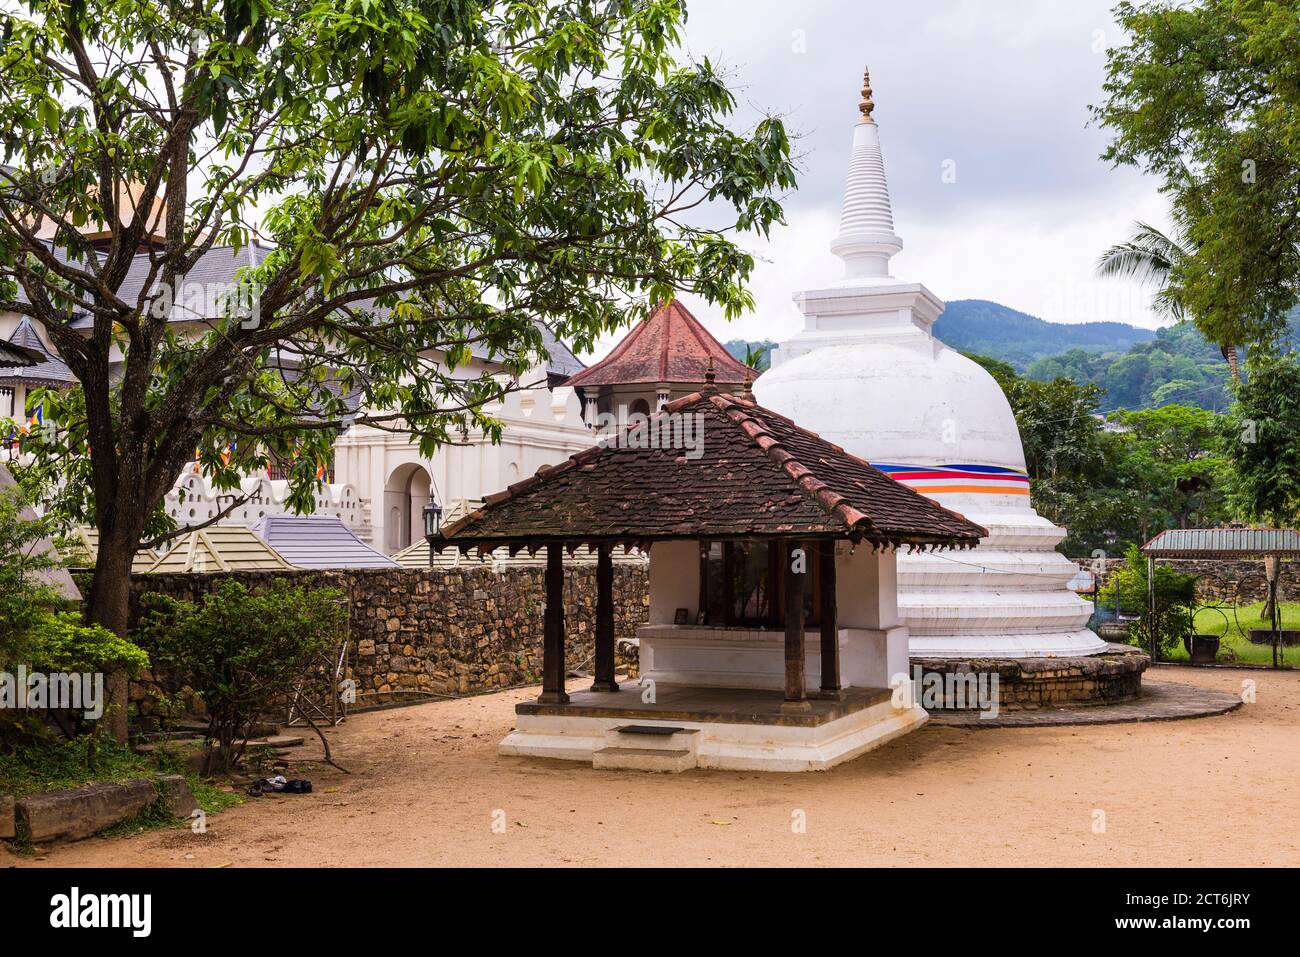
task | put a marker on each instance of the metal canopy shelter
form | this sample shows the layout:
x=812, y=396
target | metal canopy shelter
x=1267, y=544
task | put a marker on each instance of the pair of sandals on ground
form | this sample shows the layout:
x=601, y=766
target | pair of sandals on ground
x=279, y=785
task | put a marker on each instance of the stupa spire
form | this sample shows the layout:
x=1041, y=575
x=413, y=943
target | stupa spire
x=866, y=240
x=867, y=104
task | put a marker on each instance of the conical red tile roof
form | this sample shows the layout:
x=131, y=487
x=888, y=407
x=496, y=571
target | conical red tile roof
x=669, y=345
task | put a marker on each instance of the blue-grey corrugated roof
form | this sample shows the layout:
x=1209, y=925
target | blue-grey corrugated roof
x=318, y=541
x=50, y=369
x=17, y=356
x=1223, y=543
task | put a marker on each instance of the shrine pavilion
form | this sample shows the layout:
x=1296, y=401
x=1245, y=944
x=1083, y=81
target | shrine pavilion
x=664, y=357
x=773, y=637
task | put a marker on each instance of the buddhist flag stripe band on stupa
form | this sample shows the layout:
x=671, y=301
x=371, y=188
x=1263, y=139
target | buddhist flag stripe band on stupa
x=941, y=479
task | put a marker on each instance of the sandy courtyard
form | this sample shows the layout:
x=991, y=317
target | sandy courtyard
x=428, y=786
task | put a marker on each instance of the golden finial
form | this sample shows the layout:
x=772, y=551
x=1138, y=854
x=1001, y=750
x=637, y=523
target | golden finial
x=867, y=104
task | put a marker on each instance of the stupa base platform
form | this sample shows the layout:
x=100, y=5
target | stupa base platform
x=965, y=684
x=1159, y=701
x=732, y=729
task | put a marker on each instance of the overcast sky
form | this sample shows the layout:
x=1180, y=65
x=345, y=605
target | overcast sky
x=999, y=87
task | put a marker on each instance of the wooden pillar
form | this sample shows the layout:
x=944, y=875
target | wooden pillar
x=830, y=628
x=604, y=620
x=553, y=634
x=795, y=697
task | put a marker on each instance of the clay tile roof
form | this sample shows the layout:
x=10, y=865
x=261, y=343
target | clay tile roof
x=757, y=474
x=669, y=345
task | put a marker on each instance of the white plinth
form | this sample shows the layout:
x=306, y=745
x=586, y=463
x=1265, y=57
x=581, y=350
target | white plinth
x=722, y=744
x=706, y=656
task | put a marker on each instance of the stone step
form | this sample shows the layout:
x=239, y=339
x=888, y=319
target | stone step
x=644, y=759
x=276, y=741
x=654, y=737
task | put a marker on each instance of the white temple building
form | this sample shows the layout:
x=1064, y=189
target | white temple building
x=867, y=373
x=379, y=480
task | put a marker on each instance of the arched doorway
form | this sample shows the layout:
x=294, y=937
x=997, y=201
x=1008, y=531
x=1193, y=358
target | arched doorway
x=405, y=493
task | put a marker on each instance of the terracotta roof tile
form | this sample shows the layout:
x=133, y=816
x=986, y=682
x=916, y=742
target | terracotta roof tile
x=759, y=474
x=669, y=345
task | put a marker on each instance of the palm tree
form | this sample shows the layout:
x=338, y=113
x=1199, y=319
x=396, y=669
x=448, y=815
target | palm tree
x=1150, y=257
x=756, y=359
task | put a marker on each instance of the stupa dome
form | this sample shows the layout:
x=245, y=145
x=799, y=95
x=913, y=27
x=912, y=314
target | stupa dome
x=916, y=402
x=867, y=374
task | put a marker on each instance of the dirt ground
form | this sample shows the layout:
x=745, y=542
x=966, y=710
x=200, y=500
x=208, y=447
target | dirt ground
x=428, y=785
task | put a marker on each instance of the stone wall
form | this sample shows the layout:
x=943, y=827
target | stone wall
x=446, y=631
x=1217, y=578
x=1030, y=683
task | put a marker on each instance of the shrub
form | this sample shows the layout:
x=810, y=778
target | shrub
x=241, y=650
x=1175, y=594
x=63, y=643
x=40, y=629
x=25, y=597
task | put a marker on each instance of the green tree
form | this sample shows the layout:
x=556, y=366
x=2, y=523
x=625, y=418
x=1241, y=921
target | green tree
x=41, y=629
x=1205, y=96
x=1259, y=438
x=26, y=596
x=1174, y=592
x=1168, y=457
x=241, y=650
x=431, y=177
x=1152, y=257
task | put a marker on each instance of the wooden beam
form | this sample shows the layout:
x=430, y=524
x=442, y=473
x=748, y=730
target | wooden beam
x=830, y=628
x=553, y=634
x=604, y=619
x=795, y=698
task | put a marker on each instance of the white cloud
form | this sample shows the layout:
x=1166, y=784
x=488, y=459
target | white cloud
x=1003, y=87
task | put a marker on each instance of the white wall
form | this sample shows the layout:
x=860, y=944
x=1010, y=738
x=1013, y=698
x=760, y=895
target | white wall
x=866, y=586
x=674, y=580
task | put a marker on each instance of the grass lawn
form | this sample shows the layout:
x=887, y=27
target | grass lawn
x=1211, y=621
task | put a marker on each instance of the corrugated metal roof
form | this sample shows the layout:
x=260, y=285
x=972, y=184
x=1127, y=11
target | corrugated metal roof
x=416, y=555
x=318, y=541
x=83, y=551
x=220, y=548
x=1223, y=543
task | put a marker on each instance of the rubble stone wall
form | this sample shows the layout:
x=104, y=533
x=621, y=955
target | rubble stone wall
x=444, y=631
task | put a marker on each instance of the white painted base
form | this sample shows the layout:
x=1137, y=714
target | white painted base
x=728, y=747
x=704, y=656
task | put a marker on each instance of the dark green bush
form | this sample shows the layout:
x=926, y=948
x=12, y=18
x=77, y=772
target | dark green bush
x=241, y=650
x=1175, y=594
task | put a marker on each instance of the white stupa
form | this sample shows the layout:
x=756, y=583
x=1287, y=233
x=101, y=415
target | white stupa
x=867, y=374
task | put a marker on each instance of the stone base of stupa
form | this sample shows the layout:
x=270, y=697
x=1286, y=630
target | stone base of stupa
x=1018, y=684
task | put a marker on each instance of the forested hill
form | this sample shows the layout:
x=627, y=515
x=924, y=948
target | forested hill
x=1137, y=368
x=991, y=329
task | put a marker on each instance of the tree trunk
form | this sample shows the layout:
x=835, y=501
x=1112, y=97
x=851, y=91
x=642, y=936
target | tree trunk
x=1234, y=366
x=109, y=605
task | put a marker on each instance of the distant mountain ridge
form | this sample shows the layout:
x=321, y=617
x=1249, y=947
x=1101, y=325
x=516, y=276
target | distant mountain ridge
x=1136, y=368
x=992, y=329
